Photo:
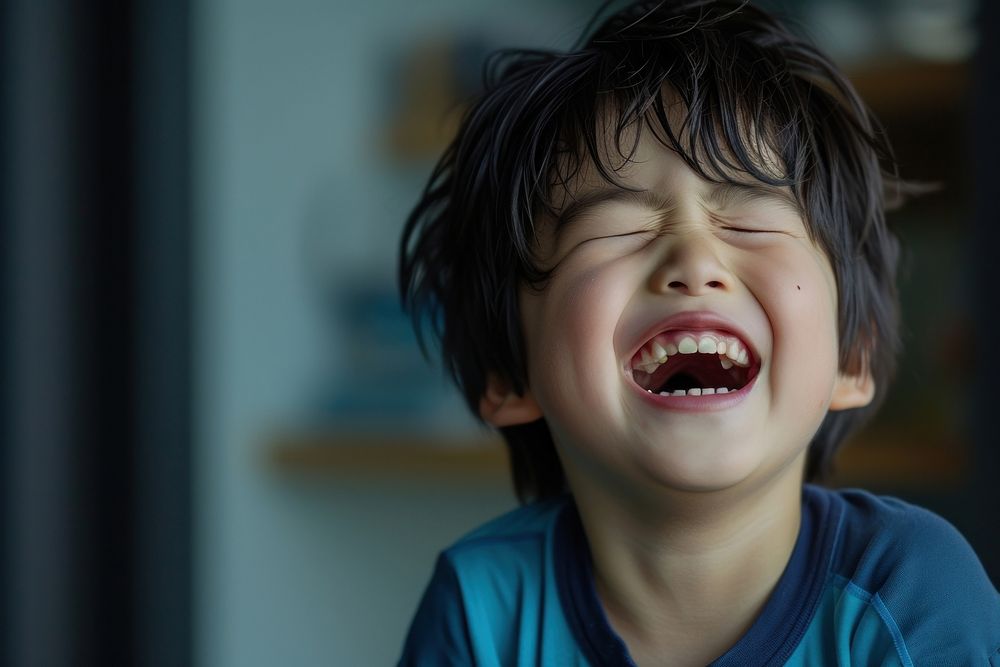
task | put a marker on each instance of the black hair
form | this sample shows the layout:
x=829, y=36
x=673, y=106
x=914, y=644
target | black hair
x=751, y=88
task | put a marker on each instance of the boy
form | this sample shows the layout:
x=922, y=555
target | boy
x=659, y=265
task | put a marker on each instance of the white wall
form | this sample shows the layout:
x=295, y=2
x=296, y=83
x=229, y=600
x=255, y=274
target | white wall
x=305, y=570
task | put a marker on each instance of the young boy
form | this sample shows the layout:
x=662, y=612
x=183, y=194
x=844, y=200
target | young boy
x=659, y=264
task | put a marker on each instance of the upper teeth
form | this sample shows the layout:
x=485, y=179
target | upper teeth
x=731, y=350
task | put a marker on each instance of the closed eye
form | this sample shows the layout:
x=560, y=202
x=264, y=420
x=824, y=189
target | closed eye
x=641, y=235
x=747, y=230
x=622, y=234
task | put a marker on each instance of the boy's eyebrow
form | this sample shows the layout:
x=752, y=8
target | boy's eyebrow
x=720, y=194
x=645, y=198
x=727, y=194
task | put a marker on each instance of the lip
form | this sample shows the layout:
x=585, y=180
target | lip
x=694, y=321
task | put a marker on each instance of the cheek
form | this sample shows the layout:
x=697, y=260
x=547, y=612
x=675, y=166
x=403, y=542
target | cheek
x=799, y=295
x=573, y=320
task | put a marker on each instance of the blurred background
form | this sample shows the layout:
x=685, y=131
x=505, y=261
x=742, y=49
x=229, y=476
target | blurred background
x=221, y=446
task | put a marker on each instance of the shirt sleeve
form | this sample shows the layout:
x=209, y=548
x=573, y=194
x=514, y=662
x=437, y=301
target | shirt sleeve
x=439, y=633
x=939, y=604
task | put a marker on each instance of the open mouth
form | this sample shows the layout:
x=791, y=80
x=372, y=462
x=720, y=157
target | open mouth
x=694, y=363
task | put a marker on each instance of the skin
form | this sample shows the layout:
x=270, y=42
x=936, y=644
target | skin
x=691, y=515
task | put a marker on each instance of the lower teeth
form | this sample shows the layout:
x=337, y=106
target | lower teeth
x=695, y=392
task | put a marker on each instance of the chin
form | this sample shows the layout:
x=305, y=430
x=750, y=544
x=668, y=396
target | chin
x=696, y=477
x=707, y=472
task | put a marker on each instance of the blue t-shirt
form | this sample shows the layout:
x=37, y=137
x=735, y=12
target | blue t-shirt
x=871, y=581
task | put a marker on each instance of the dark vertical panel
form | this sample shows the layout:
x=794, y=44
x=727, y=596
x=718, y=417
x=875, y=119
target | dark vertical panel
x=94, y=291
x=40, y=488
x=985, y=501
x=5, y=323
x=104, y=237
x=164, y=306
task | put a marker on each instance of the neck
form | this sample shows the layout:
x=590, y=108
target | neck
x=694, y=570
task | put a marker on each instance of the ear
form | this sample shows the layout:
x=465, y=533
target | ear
x=502, y=406
x=853, y=391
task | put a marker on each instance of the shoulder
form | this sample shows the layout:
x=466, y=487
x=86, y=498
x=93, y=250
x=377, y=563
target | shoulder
x=884, y=538
x=519, y=536
x=497, y=564
x=918, y=578
x=481, y=585
x=525, y=522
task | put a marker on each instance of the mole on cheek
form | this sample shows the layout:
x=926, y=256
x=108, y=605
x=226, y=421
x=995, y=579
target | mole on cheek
x=798, y=287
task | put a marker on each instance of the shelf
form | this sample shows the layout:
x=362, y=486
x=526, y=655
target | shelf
x=908, y=87
x=901, y=462
x=428, y=120
x=388, y=455
x=871, y=460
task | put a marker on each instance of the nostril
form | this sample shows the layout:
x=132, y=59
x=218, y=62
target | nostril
x=676, y=284
x=714, y=283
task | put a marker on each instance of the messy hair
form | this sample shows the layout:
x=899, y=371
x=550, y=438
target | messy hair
x=750, y=88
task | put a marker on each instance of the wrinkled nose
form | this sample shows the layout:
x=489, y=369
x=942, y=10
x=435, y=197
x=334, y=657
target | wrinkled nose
x=690, y=266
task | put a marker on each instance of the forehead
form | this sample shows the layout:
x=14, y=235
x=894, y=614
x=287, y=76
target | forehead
x=643, y=163
x=627, y=155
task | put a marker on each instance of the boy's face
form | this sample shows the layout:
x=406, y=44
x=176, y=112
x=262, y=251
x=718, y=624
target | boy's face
x=687, y=262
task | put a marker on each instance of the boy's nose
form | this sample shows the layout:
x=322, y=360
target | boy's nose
x=690, y=266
